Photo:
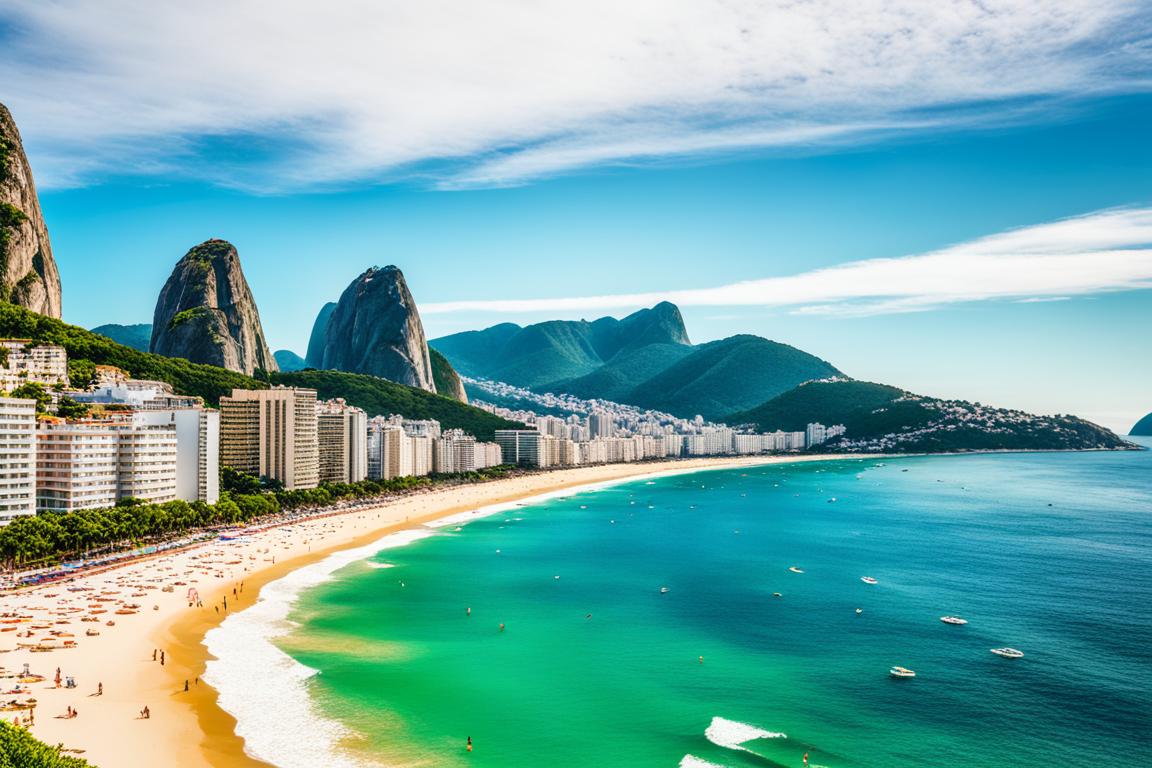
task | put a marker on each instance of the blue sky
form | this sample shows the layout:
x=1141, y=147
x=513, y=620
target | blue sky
x=521, y=186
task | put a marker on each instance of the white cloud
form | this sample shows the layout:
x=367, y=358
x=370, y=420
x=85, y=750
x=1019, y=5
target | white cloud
x=1100, y=252
x=502, y=91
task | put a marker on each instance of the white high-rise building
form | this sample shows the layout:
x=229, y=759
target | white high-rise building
x=342, y=432
x=454, y=452
x=421, y=453
x=17, y=458
x=488, y=455
x=389, y=455
x=197, y=450
x=94, y=464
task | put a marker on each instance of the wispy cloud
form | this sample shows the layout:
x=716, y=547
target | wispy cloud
x=498, y=92
x=1101, y=252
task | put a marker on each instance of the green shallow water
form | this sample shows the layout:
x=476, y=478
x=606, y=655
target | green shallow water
x=1048, y=553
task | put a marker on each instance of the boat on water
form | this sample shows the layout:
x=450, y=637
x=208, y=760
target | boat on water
x=868, y=580
x=902, y=672
x=953, y=620
x=859, y=611
x=794, y=569
x=663, y=590
x=777, y=594
x=1008, y=653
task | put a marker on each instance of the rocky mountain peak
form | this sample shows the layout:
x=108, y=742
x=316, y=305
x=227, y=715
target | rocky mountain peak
x=206, y=312
x=375, y=329
x=28, y=274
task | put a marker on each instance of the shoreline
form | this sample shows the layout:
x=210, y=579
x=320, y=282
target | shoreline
x=190, y=729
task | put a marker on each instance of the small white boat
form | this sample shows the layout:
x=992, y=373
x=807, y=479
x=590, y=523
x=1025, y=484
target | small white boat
x=1008, y=653
x=859, y=611
x=663, y=590
x=794, y=569
x=868, y=580
x=777, y=594
x=953, y=620
x=903, y=672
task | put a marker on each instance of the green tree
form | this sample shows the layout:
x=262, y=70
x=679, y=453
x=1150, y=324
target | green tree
x=34, y=390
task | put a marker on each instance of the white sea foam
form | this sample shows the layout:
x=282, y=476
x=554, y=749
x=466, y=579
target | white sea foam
x=733, y=735
x=374, y=564
x=265, y=688
x=691, y=761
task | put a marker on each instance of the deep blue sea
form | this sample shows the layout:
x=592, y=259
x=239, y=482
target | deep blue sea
x=1049, y=553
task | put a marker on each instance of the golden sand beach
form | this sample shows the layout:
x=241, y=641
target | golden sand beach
x=104, y=628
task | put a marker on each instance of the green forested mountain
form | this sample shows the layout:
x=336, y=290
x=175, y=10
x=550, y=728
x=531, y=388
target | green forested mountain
x=557, y=350
x=288, y=361
x=645, y=359
x=883, y=418
x=376, y=396
x=138, y=336
x=86, y=349
x=445, y=378
x=616, y=379
x=728, y=375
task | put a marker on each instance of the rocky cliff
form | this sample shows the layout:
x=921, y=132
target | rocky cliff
x=206, y=313
x=447, y=381
x=314, y=357
x=28, y=275
x=375, y=329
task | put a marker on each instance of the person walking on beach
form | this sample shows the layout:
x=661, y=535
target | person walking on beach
x=99, y=689
x=161, y=658
x=153, y=654
x=185, y=686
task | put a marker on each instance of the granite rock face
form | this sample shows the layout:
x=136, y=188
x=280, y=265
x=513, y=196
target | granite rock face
x=314, y=357
x=28, y=274
x=376, y=329
x=206, y=313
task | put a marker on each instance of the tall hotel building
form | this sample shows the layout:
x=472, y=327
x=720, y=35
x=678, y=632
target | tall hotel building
x=342, y=433
x=17, y=458
x=93, y=464
x=389, y=450
x=272, y=433
x=523, y=447
x=197, y=450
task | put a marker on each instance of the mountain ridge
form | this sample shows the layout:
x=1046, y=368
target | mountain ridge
x=881, y=417
x=644, y=359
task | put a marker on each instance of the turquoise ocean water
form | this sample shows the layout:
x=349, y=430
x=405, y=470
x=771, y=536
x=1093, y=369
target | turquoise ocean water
x=1047, y=553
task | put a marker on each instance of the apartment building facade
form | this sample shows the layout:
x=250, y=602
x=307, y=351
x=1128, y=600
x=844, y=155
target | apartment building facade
x=272, y=433
x=342, y=432
x=17, y=458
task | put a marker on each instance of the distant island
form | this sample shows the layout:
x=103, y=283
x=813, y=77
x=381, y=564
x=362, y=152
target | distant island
x=1142, y=428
